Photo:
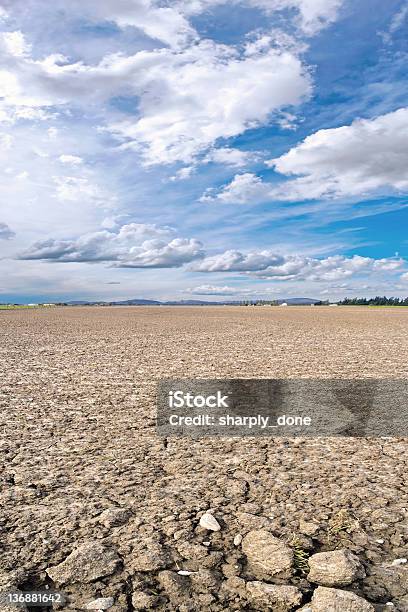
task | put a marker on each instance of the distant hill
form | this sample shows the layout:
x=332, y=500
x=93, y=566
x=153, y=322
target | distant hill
x=137, y=302
x=142, y=302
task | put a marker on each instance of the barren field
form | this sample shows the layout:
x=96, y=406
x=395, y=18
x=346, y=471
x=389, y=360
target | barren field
x=96, y=505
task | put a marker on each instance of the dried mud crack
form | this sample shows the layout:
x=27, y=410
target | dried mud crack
x=96, y=505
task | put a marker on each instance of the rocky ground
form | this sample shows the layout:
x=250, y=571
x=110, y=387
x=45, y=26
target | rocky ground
x=96, y=505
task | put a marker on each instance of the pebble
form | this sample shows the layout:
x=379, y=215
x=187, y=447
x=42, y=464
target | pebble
x=237, y=539
x=208, y=521
x=399, y=562
x=103, y=603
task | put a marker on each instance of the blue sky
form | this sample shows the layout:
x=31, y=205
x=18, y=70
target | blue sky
x=203, y=149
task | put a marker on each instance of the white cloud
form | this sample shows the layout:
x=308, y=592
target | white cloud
x=164, y=23
x=158, y=254
x=310, y=15
x=188, y=99
x=191, y=99
x=183, y=173
x=268, y=264
x=230, y=157
x=360, y=159
x=15, y=44
x=212, y=290
x=5, y=232
x=6, y=141
x=366, y=158
x=72, y=160
x=77, y=189
x=397, y=22
x=134, y=245
x=243, y=188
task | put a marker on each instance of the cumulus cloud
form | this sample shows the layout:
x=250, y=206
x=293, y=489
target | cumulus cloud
x=189, y=99
x=242, y=189
x=134, y=245
x=363, y=159
x=5, y=232
x=368, y=156
x=210, y=91
x=268, y=264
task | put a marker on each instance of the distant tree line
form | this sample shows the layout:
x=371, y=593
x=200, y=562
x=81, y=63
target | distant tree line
x=377, y=301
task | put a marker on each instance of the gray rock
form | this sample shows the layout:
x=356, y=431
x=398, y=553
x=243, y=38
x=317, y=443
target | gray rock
x=279, y=598
x=335, y=568
x=86, y=563
x=103, y=603
x=334, y=600
x=267, y=556
x=113, y=517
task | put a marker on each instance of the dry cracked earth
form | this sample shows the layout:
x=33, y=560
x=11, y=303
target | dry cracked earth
x=94, y=504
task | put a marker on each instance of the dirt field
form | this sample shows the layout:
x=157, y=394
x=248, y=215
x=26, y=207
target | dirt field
x=83, y=472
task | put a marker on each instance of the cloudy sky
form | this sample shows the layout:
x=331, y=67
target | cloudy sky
x=203, y=149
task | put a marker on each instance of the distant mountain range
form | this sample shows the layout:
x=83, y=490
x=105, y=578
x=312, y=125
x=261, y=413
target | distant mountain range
x=141, y=302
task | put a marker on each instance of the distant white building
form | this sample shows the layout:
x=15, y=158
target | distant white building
x=283, y=304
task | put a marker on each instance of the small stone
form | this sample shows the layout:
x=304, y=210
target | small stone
x=208, y=521
x=336, y=600
x=335, y=568
x=86, y=563
x=113, y=517
x=267, y=556
x=237, y=539
x=399, y=562
x=143, y=601
x=103, y=603
x=279, y=598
